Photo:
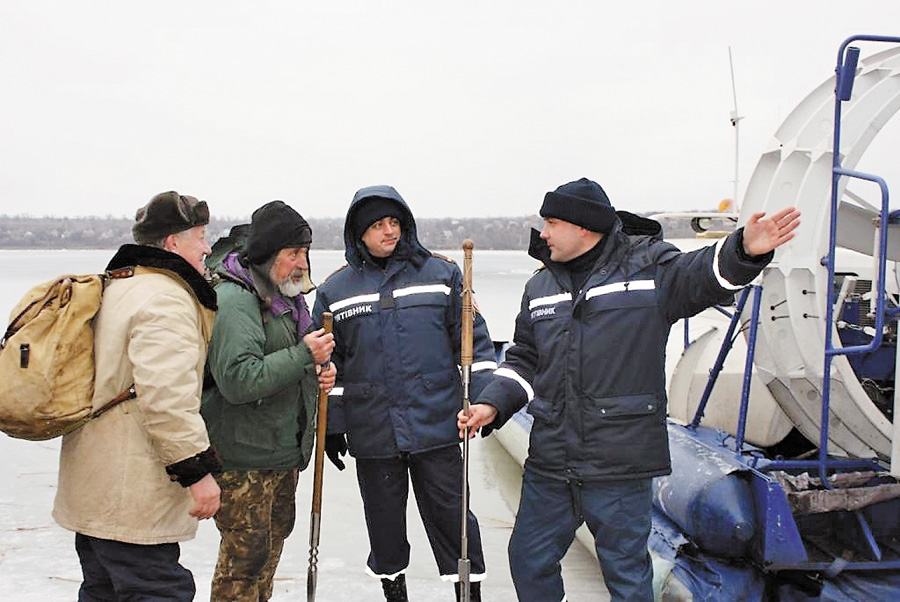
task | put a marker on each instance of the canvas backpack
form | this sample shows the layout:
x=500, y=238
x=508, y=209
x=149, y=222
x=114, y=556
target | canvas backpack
x=47, y=358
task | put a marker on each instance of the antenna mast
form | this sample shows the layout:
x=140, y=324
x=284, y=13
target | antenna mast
x=735, y=119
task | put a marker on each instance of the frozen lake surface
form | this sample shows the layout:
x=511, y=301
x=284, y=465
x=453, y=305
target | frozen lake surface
x=38, y=561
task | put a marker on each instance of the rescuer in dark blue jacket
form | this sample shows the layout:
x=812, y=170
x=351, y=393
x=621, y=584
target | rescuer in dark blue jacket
x=589, y=359
x=397, y=313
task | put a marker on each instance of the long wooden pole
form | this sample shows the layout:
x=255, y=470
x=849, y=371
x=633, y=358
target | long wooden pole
x=316, y=516
x=466, y=356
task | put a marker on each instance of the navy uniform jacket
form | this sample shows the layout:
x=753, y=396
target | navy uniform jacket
x=592, y=362
x=397, y=345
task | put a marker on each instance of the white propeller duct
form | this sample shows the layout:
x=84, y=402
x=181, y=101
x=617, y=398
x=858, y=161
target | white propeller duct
x=796, y=170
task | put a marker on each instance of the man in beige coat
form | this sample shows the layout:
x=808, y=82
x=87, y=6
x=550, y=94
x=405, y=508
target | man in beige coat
x=134, y=482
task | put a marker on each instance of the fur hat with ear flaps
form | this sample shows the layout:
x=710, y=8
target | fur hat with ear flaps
x=168, y=213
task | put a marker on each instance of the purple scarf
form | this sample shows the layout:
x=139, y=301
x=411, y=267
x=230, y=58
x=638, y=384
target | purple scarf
x=278, y=304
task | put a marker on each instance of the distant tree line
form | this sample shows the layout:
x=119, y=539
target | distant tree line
x=502, y=233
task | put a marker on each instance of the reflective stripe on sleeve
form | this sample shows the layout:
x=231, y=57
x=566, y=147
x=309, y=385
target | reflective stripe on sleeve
x=513, y=375
x=484, y=366
x=723, y=282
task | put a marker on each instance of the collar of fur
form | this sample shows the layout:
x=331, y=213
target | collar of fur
x=152, y=257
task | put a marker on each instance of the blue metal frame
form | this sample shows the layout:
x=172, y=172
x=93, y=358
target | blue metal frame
x=781, y=546
x=720, y=359
x=748, y=368
x=845, y=72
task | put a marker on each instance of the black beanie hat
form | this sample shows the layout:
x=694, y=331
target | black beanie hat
x=370, y=210
x=168, y=213
x=583, y=203
x=273, y=227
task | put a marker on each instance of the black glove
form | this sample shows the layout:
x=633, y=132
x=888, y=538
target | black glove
x=335, y=447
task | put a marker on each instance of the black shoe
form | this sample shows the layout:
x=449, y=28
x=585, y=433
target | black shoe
x=395, y=590
x=474, y=591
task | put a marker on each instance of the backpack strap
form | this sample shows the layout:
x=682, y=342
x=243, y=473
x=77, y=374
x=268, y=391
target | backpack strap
x=125, y=395
x=126, y=272
x=129, y=393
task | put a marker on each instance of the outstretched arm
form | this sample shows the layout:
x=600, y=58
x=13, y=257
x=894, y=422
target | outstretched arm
x=763, y=234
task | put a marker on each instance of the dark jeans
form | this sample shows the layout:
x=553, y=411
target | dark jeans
x=437, y=483
x=550, y=511
x=125, y=572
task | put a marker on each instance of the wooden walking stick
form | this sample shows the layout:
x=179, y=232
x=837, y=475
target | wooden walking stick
x=316, y=516
x=468, y=324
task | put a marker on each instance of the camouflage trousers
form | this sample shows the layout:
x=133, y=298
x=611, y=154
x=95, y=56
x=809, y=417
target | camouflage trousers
x=256, y=516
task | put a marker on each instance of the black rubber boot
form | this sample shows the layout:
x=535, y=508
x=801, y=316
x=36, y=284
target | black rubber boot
x=395, y=590
x=474, y=591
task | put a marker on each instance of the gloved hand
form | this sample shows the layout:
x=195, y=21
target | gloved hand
x=335, y=447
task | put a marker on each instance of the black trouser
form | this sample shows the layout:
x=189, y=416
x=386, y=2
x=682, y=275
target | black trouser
x=437, y=484
x=125, y=572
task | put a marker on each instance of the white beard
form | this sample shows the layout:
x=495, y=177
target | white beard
x=289, y=288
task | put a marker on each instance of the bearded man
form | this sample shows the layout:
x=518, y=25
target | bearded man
x=265, y=359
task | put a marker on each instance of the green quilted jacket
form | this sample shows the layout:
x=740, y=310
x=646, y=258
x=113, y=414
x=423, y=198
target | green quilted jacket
x=261, y=410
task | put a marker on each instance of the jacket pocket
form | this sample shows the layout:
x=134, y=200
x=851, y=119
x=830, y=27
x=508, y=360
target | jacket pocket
x=358, y=400
x=370, y=431
x=354, y=392
x=422, y=316
x=436, y=381
x=433, y=401
x=627, y=432
x=255, y=433
x=623, y=406
x=545, y=410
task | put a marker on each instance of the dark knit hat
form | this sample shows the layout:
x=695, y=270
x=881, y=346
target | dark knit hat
x=370, y=210
x=273, y=227
x=583, y=203
x=168, y=213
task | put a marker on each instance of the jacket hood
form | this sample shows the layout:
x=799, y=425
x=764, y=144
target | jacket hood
x=235, y=240
x=636, y=225
x=153, y=257
x=355, y=250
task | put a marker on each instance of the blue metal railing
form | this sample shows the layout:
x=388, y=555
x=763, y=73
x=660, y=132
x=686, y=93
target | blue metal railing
x=720, y=359
x=844, y=77
x=748, y=369
x=845, y=73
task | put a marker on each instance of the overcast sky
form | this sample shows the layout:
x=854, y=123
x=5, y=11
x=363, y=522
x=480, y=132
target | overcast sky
x=467, y=108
